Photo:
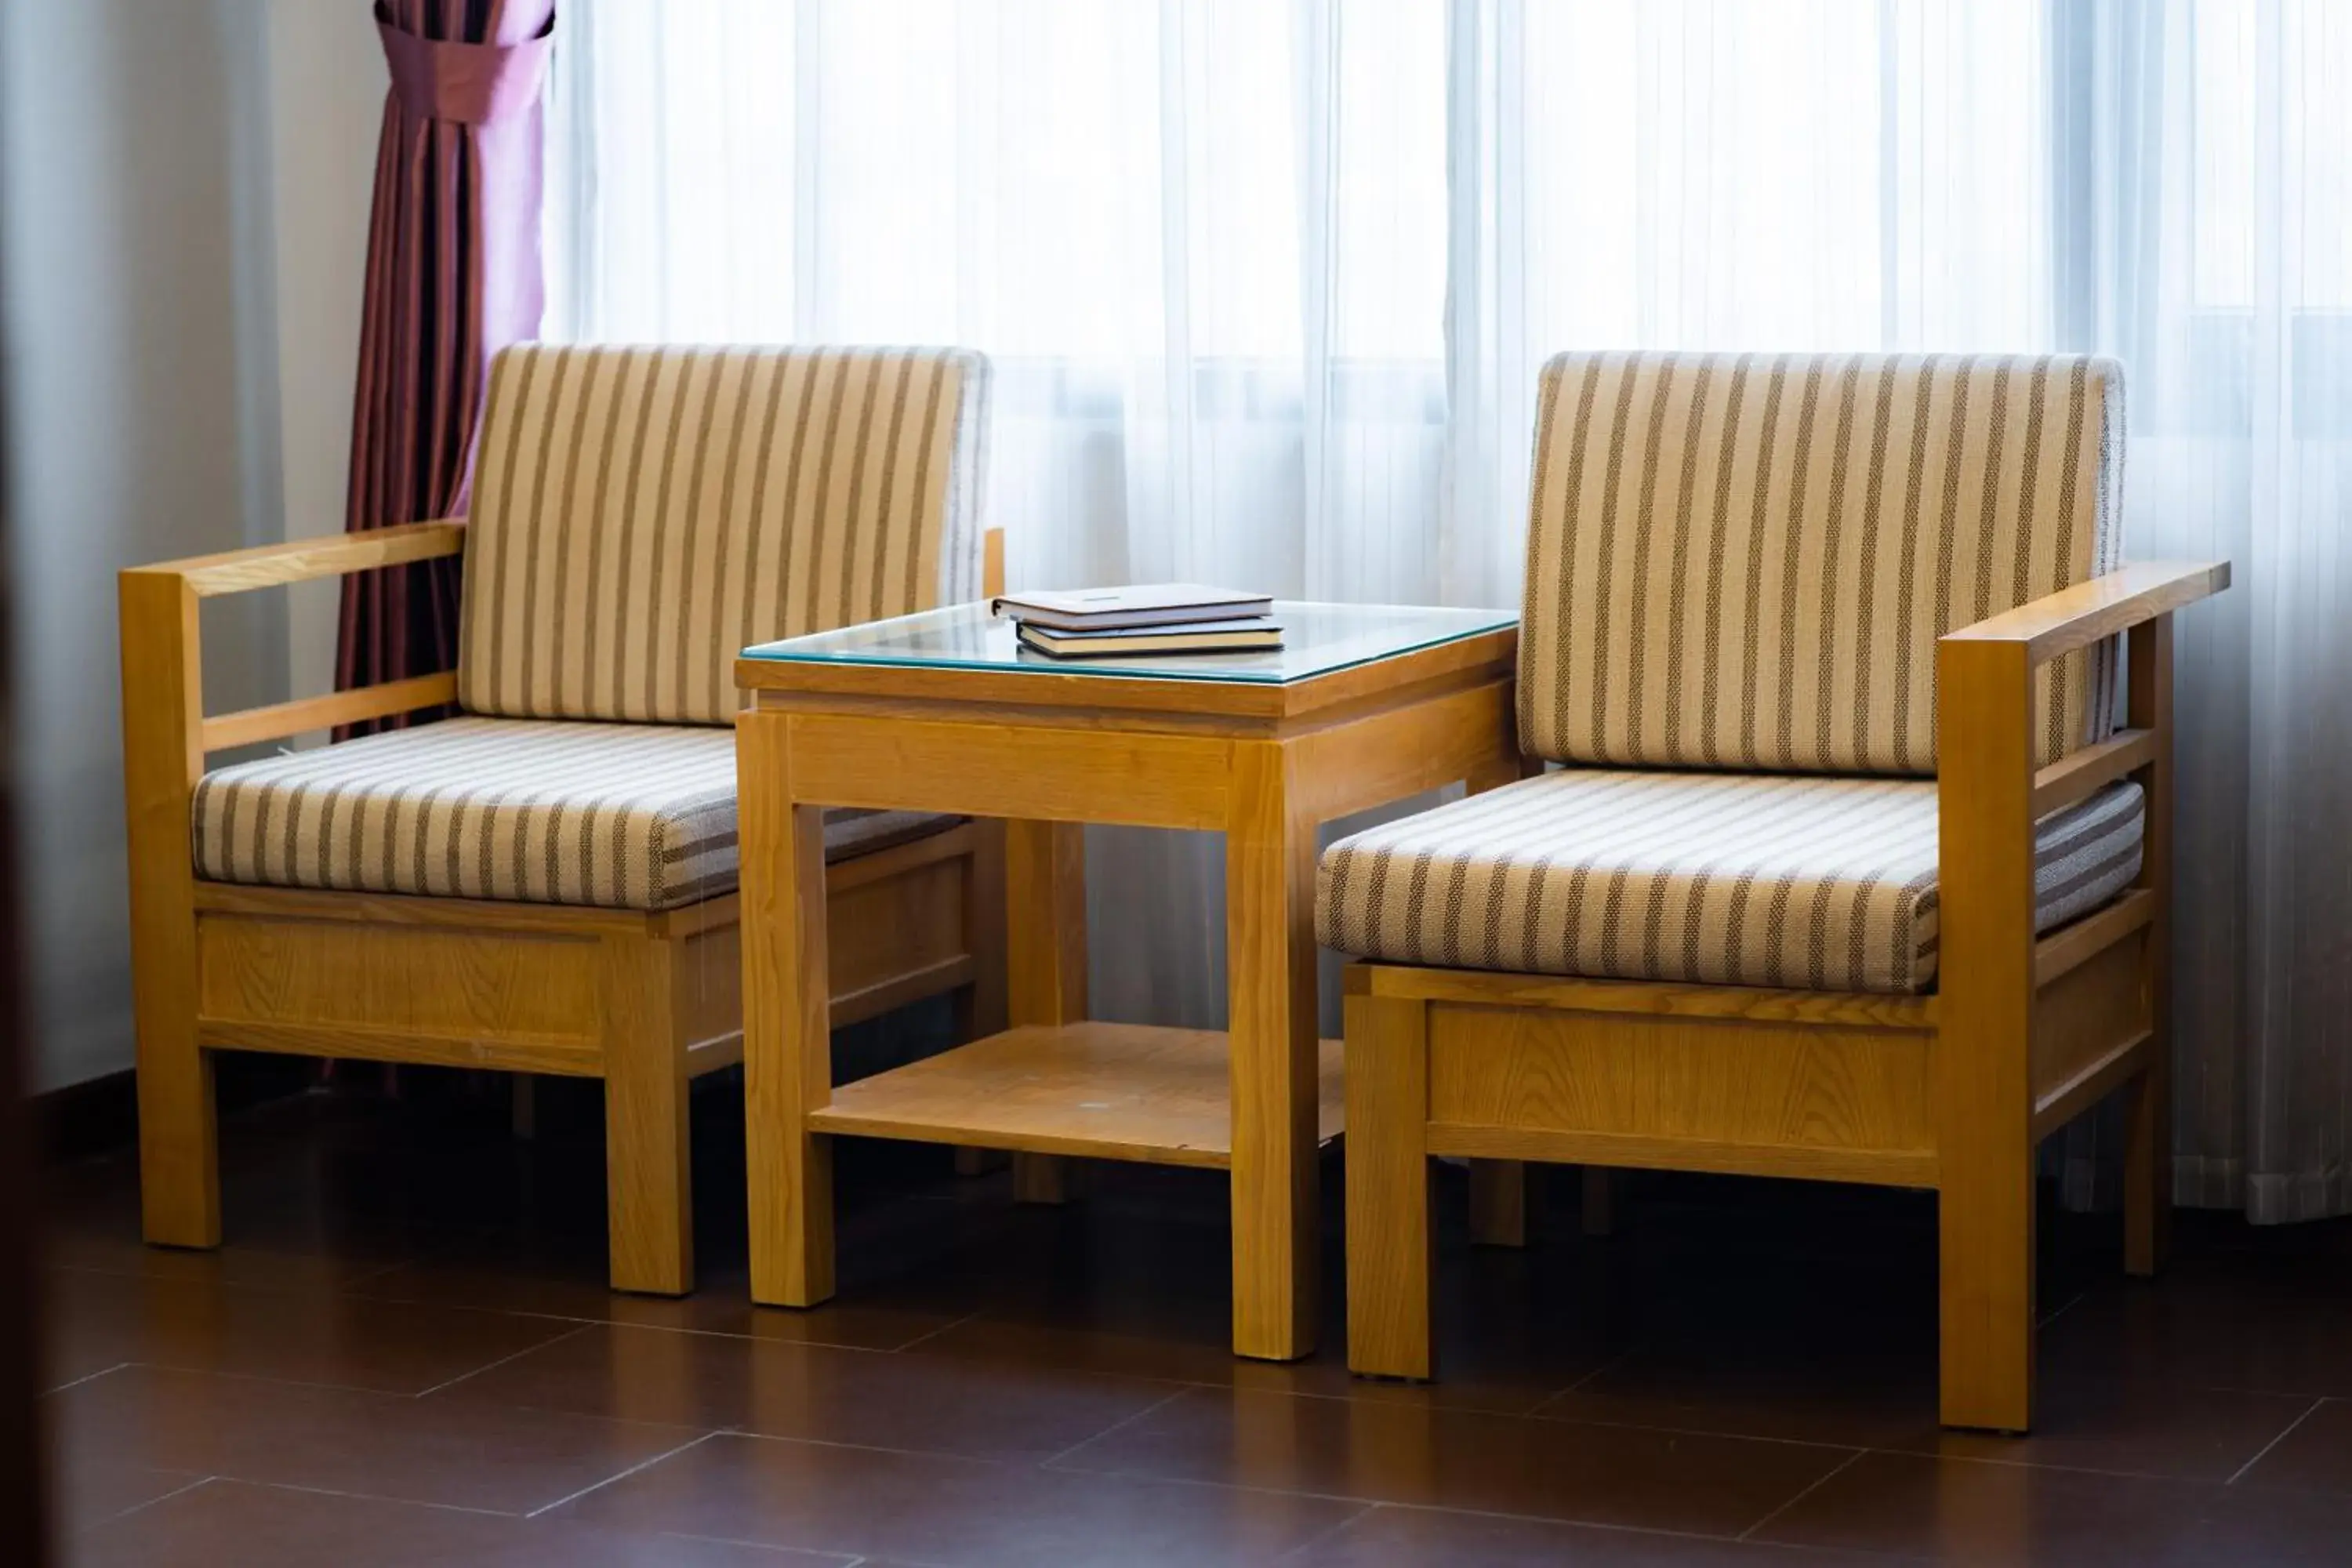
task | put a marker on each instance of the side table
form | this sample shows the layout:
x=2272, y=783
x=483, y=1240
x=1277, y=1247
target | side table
x=944, y=711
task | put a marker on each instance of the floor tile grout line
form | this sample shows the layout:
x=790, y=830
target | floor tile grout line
x=640, y=1466
x=1120, y=1426
x=1938, y=1456
x=1610, y=1525
x=362, y=1391
x=2263, y=1453
x=935, y=1333
x=181, y=1490
x=367, y=1497
x=1713, y=1434
x=2067, y=1306
x=502, y=1361
x=1818, y=1483
x=1612, y=1365
x=1533, y=1413
x=87, y=1377
x=1329, y=1532
x=847, y=1559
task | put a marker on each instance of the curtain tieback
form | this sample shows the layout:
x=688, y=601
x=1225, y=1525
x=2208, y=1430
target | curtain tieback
x=471, y=84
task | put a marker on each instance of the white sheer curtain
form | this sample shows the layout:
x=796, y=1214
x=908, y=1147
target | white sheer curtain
x=1267, y=284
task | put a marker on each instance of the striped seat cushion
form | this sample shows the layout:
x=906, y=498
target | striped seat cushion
x=641, y=515
x=1812, y=882
x=1744, y=561
x=619, y=816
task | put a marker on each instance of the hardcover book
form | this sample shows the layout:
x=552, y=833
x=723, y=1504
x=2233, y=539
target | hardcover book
x=1252, y=635
x=1140, y=605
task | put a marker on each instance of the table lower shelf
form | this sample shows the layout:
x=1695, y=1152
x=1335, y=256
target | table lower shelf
x=1107, y=1091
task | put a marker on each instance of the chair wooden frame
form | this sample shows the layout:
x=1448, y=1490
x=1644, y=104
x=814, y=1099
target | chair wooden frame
x=645, y=1001
x=1951, y=1091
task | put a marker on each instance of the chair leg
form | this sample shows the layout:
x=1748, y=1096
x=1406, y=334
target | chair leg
x=2148, y=1165
x=179, y=1149
x=179, y=1154
x=1498, y=1203
x=648, y=1162
x=1985, y=1218
x=1389, y=1257
x=1598, y=1212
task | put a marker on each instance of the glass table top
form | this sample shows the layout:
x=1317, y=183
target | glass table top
x=1318, y=639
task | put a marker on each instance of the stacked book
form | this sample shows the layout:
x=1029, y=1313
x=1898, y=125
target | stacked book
x=1153, y=618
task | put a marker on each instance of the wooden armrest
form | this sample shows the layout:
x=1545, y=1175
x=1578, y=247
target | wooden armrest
x=300, y=560
x=2078, y=617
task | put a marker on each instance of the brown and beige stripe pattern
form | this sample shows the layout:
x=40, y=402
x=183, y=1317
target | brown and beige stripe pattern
x=1812, y=882
x=620, y=815
x=640, y=515
x=1744, y=561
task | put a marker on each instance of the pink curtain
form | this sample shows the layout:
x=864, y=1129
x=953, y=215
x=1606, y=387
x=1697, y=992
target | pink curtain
x=453, y=275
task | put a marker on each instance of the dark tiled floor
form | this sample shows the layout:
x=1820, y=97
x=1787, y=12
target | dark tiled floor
x=406, y=1355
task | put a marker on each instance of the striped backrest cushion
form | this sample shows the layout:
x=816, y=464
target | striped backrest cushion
x=1744, y=561
x=641, y=514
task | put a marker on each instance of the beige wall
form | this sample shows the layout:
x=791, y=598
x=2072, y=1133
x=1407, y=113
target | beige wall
x=187, y=189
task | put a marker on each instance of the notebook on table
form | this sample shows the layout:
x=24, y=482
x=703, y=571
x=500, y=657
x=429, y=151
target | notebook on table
x=1248, y=635
x=1141, y=605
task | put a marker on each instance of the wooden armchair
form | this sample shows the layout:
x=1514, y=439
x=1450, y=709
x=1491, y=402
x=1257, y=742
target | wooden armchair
x=545, y=883
x=1847, y=874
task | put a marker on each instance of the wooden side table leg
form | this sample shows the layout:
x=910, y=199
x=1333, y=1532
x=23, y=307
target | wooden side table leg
x=1498, y=1203
x=980, y=1007
x=1270, y=963
x=1046, y=961
x=787, y=1017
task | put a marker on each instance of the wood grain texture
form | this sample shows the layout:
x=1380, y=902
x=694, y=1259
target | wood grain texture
x=1044, y=913
x=2125, y=1062
x=1390, y=1256
x=418, y=979
x=1375, y=681
x=480, y=915
x=1045, y=922
x=1117, y=1091
x=1403, y=750
x=1646, y=998
x=994, y=769
x=1914, y=1168
x=983, y=1006
x=885, y=932
x=2085, y=613
x=2085, y=773
x=2080, y=941
x=301, y=560
x=2082, y=1019
x=162, y=704
x=1782, y=1090
x=556, y=1056
x=787, y=1040
x=2148, y=1143
x=648, y=1171
x=280, y=719
x=1986, y=1045
x=1270, y=975
x=709, y=974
